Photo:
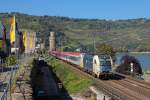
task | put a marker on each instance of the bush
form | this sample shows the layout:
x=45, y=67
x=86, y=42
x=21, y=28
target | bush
x=11, y=60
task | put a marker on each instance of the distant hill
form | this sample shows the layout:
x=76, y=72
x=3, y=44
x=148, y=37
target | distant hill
x=131, y=34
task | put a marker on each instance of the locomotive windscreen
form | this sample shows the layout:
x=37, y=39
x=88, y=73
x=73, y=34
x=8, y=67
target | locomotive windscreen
x=105, y=63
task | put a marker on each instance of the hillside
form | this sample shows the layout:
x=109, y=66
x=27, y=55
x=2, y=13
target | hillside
x=131, y=34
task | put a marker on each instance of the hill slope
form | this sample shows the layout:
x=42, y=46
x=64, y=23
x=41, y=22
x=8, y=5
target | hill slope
x=132, y=34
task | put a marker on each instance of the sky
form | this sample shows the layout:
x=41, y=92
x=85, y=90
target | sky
x=92, y=9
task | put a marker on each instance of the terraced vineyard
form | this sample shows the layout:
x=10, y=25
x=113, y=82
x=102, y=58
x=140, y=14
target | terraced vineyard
x=131, y=34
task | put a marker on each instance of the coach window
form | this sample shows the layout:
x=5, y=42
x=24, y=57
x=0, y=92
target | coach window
x=95, y=61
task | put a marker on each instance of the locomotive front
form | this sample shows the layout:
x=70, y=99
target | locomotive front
x=102, y=66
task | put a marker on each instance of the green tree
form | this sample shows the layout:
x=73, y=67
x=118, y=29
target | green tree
x=106, y=49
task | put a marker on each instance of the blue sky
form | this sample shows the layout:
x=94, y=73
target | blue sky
x=101, y=9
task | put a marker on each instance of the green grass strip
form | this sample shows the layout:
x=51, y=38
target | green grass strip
x=72, y=81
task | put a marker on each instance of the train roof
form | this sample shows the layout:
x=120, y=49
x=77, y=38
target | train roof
x=67, y=53
x=72, y=53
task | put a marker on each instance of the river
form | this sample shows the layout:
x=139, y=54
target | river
x=144, y=59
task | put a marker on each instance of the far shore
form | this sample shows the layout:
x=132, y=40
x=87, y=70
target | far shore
x=147, y=52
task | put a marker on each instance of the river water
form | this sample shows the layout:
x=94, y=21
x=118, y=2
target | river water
x=144, y=59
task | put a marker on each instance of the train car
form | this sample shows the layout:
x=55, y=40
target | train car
x=88, y=63
x=72, y=57
x=102, y=66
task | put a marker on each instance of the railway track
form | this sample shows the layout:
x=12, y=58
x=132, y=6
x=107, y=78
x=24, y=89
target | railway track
x=140, y=82
x=135, y=92
x=120, y=89
x=136, y=85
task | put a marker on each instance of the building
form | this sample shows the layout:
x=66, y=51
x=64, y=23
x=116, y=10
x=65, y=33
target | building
x=52, y=41
x=29, y=41
x=4, y=44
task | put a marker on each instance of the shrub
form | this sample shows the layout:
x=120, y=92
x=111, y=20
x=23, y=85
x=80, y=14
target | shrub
x=11, y=60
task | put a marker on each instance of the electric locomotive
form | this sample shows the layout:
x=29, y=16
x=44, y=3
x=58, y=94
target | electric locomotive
x=102, y=66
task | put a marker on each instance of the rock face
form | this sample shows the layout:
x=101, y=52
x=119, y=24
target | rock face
x=129, y=65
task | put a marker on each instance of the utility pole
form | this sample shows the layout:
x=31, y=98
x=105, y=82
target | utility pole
x=93, y=35
x=60, y=42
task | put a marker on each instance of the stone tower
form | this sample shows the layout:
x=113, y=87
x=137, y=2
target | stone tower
x=52, y=41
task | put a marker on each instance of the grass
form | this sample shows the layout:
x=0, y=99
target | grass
x=72, y=81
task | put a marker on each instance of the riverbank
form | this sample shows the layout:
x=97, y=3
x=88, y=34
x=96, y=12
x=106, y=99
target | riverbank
x=147, y=52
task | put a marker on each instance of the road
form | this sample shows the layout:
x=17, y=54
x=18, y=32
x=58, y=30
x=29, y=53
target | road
x=9, y=75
